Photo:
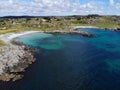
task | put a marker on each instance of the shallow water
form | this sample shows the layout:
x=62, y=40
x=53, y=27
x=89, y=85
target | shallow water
x=72, y=62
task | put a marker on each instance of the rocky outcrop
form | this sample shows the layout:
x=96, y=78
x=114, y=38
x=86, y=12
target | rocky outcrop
x=71, y=32
x=112, y=29
x=118, y=29
x=14, y=59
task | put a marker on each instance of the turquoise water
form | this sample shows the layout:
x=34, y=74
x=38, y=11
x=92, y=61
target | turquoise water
x=72, y=62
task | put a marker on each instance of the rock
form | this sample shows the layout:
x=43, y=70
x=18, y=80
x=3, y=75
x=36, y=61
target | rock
x=17, y=77
x=14, y=59
x=10, y=77
x=71, y=32
x=6, y=77
x=118, y=29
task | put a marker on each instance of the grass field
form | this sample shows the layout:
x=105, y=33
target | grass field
x=100, y=25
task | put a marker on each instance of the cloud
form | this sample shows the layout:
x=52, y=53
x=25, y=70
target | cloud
x=117, y=6
x=10, y=1
x=111, y=2
x=54, y=7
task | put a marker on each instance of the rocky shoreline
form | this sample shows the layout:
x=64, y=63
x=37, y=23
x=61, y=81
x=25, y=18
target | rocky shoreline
x=14, y=59
x=71, y=32
x=111, y=29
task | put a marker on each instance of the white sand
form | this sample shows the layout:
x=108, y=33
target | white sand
x=85, y=27
x=8, y=37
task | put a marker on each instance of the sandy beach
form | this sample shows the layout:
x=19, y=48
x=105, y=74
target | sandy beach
x=76, y=27
x=8, y=37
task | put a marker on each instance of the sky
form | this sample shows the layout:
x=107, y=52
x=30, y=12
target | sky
x=58, y=7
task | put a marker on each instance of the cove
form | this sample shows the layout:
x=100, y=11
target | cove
x=71, y=62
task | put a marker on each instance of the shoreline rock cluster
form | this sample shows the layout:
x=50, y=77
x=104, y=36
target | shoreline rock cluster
x=113, y=29
x=14, y=59
x=71, y=32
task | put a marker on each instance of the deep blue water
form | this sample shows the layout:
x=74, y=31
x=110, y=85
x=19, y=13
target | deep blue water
x=72, y=62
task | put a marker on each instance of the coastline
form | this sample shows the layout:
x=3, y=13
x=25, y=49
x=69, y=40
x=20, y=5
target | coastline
x=7, y=38
x=76, y=27
x=111, y=29
x=15, y=58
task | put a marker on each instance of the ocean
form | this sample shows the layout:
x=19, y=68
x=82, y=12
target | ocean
x=71, y=62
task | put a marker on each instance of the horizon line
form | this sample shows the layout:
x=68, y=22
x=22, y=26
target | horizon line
x=53, y=15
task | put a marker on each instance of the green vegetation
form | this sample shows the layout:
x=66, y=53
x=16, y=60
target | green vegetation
x=81, y=24
x=105, y=25
x=18, y=24
x=2, y=43
x=100, y=25
x=8, y=25
x=112, y=22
